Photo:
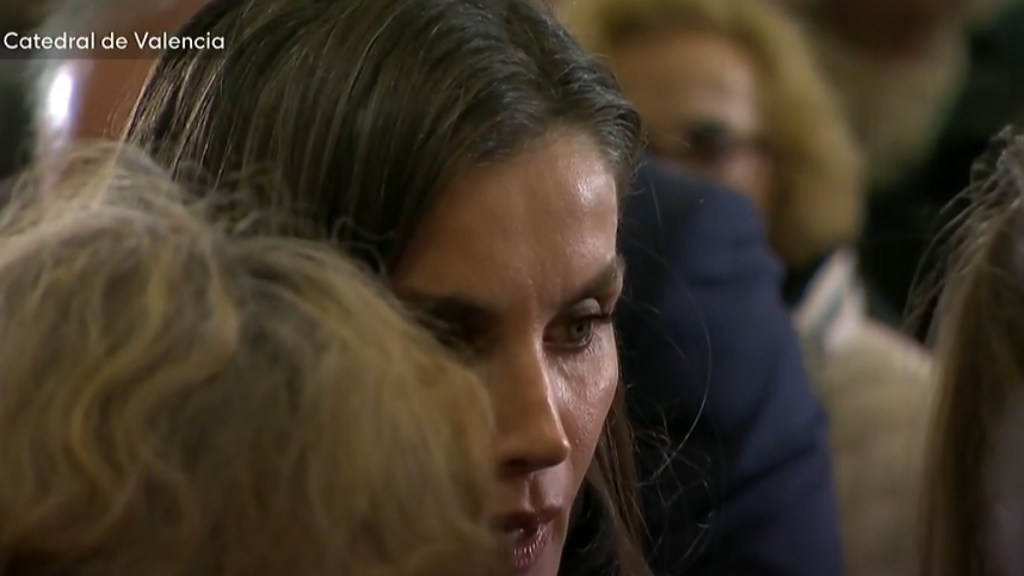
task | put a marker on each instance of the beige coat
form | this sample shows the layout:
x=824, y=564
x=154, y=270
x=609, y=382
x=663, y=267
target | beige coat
x=877, y=387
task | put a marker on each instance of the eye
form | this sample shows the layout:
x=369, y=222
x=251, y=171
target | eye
x=464, y=327
x=576, y=330
x=463, y=342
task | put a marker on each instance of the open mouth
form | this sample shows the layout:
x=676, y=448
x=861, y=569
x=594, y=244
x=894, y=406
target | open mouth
x=523, y=540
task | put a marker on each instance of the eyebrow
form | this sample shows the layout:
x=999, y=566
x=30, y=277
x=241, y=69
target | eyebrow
x=475, y=316
x=446, y=315
x=608, y=279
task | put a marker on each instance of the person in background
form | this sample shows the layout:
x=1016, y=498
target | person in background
x=913, y=217
x=973, y=515
x=751, y=424
x=182, y=398
x=730, y=90
x=703, y=286
x=898, y=68
x=924, y=83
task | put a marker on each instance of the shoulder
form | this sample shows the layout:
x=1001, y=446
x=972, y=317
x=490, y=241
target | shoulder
x=702, y=286
x=705, y=229
x=713, y=365
x=885, y=359
x=666, y=196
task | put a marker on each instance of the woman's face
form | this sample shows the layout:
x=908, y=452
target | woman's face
x=698, y=95
x=518, y=260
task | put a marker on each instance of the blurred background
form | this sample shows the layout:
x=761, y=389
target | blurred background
x=921, y=84
x=15, y=15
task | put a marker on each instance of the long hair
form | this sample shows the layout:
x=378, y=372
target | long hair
x=979, y=334
x=361, y=112
x=818, y=188
x=182, y=399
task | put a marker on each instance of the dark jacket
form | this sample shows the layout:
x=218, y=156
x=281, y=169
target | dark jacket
x=732, y=444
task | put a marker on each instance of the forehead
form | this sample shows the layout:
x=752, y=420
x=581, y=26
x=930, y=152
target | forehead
x=523, y=231
x=687, y=71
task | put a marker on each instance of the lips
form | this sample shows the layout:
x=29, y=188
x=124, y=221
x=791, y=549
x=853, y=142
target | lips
x=524, y=537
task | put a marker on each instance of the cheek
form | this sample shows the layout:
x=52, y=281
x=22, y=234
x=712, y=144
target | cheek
x=762, y=181
x=749, y=175
x=590, y=383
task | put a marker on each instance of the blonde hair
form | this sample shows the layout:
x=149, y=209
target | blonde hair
x=979, y=334
x=818, y=176
x=182, y=399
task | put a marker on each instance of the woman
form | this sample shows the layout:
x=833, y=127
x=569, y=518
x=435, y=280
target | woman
x=774, y=481
x=973, y=505
x=472, y=154
x=729, y=89
x=181, y=400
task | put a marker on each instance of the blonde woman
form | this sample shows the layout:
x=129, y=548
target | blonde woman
x=182, y=400
x=730, y=89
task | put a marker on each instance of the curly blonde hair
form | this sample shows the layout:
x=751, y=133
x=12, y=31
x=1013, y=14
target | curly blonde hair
x=183, y=399
x=819, y=201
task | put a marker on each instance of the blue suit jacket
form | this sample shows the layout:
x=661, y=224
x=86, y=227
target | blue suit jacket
x=731, y=442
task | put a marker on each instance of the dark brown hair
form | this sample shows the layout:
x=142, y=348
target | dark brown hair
x=980, y=346
x=180, y=400
x=362, y=111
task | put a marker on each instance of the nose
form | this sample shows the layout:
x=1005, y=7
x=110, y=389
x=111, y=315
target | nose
x=531, y=432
